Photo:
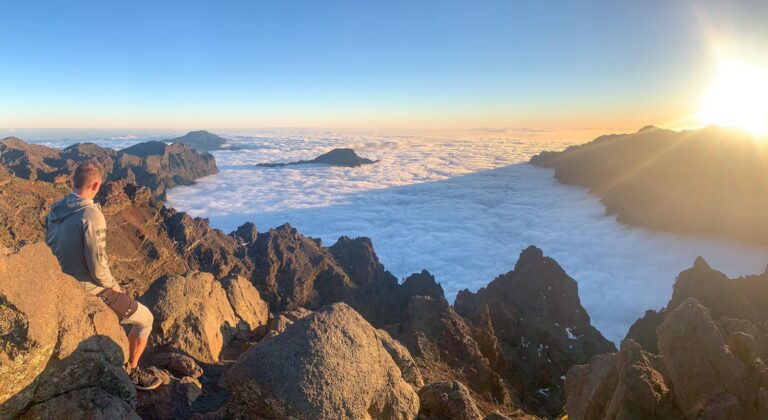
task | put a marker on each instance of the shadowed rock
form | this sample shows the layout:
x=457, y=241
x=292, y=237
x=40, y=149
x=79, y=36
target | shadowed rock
x=447, y=400
x=542, y=329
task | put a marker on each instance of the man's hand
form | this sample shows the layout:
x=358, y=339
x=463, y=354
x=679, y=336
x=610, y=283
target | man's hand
x=117, y=288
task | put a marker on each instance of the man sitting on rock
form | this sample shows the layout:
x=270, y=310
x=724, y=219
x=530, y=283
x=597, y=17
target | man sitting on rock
x=77, y=234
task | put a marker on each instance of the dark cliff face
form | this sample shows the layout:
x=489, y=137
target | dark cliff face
x=709, y=181
x=541, y=326
x=154, y=165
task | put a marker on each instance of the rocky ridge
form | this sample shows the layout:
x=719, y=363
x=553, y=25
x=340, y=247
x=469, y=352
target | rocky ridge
x=700, y=357
x=709, y=181
x=155, y=165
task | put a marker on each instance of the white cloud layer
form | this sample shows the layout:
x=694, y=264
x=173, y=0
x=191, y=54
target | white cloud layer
x=461, y=209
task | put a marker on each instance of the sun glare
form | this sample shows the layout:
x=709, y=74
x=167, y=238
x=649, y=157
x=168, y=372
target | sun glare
x=738, y=98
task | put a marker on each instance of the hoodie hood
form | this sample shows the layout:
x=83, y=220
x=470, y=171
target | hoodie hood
x=67, y=206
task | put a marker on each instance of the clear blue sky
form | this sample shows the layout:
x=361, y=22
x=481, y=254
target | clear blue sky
x=434, y=64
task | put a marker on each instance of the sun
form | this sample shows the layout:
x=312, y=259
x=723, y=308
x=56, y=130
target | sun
x=738, y=98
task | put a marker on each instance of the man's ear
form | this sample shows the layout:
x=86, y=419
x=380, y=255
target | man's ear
x=95, y=186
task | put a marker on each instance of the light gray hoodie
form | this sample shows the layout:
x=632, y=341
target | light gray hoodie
x=77, y=235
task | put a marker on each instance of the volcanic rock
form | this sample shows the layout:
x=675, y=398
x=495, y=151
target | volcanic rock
x=447, y=400
x=742, y=298
x=628, y=384
x=542, y=329
x=327, y=365
x=192, y=316
x=445, y=347
x=62, y=350
x=247, y=304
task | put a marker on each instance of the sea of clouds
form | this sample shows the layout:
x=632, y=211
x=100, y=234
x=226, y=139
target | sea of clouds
x=461, y=208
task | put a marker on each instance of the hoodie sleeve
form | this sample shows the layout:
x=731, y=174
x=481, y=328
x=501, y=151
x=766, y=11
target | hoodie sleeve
x=95, y=247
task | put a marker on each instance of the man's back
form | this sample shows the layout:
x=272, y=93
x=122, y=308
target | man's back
x=76, y=233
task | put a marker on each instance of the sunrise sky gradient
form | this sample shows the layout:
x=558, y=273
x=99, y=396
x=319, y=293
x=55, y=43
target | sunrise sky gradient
x=548, y=67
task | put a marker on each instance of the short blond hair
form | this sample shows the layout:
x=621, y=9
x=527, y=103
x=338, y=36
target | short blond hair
x=86, y=173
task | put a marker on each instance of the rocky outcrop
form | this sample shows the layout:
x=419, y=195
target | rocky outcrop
x=201, y=140
x=708, y=181
x=61, y=351
x=535, y=313
x=705, y=369
x=155, y=165
x=336, y=157
x=741, y=298
x=326, y=365
x=252, y=312
x=447, y=400
x=438, y=337
x=627, y=384
x=193, y=314
x=293, y=271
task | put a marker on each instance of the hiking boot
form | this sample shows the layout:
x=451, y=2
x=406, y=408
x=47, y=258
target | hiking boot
x=143, y=380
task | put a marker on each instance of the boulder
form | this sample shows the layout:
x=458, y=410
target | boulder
x=247, y=305
x=330, y=364
x=703, y=370
x=192, y=316
x=62, y=350
x=447, y=400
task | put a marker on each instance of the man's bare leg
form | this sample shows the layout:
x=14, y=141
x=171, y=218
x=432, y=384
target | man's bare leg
x=136, y=346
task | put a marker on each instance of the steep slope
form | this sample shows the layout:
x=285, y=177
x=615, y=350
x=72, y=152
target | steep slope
x=542, y=329
x=711, y=181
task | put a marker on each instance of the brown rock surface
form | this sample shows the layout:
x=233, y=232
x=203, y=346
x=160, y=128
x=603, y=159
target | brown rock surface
x=447, y=400
x=247, y=304
x=62, y=351
x=192, y=316
x=329, y=364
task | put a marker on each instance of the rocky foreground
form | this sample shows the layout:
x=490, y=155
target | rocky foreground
x=275, y=325
x=710, y=181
